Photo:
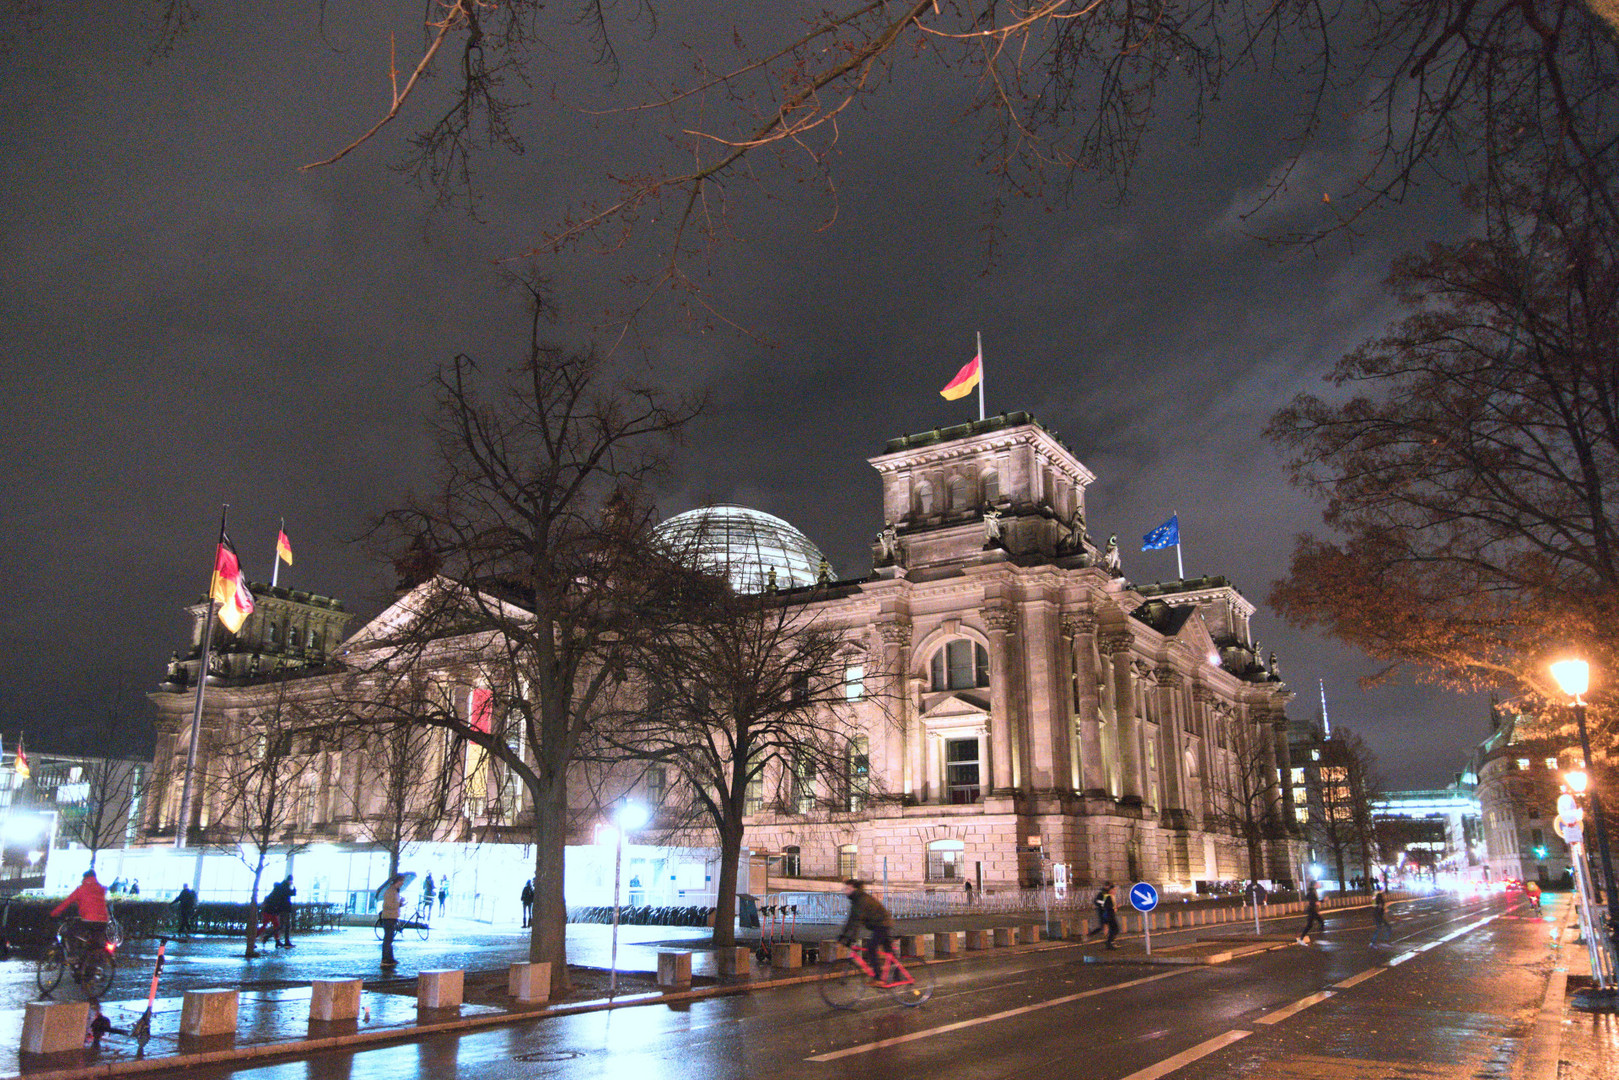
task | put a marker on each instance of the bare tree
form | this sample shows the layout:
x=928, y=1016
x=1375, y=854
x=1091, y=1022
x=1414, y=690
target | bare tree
x=530, y=555
x=257, y=790
x=1245, y=797
x=1342, y=798
x=1472, y=475
x=735, y=691
x=101, y=821
x=403, y=790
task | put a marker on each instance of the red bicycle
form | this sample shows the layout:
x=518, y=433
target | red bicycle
x=854, y=977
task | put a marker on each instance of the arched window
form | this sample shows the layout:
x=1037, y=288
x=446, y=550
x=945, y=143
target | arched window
x=991, y=484
x=960, y=665
x=945, y=860
x=924, y=498
x=790, y=865
x=958, y=493
x=849, y=861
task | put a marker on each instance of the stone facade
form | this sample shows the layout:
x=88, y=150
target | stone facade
x=1020, y=701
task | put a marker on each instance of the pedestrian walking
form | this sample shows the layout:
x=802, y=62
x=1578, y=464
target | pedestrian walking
x=429, y=893
x=1380, y=917
x=443, y=892
x=969, y=886
x=527, y=898
x=1107, y=914
x=271, y=912
x=388, y=916
x=135, y=887
x=1312, y=914
x=185, y=906
x=283, y=912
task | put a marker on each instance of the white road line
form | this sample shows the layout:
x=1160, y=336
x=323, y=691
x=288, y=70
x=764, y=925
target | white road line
x=1355, y=980
x=1186, y=1057
x=864, y=1048
x=1452, y=936
x=1297, y=1007
x=1402, y=958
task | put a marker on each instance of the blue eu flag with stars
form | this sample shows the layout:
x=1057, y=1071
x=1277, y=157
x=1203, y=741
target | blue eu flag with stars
x=1166, y=535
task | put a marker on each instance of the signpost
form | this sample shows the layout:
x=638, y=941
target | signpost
x=1144, y=898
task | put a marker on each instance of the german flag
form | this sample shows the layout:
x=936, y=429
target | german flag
x=230, y=587
x=283, y=547
x=966, y=380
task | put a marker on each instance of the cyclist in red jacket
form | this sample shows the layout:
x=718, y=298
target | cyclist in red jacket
x=91, y=899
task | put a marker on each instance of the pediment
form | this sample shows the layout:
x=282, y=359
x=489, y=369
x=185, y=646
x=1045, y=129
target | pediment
x=958, y=703
x=433, y=602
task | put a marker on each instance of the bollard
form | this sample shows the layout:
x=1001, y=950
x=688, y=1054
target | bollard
x=916, y=945
x=978, y=940
x=737, y=960
x=1057, y=929
x=948, y=942
x=529, y=983
x=51, y=1027
x=1004, y=936
x=334, y=999
x=832, y=950
x=208, y=1012
x=440, y=989
x=674, y=970
x=1030, y=934
x=787, y=954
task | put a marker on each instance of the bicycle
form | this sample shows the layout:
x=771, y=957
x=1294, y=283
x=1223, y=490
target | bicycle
x=418, y=921
x=854, y=977
x=93, y=968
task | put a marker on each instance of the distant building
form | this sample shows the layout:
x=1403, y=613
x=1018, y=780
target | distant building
x=1519, y=771
x=67, y=805
x=1439, y=831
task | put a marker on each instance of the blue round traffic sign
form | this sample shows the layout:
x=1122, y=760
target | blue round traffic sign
x=1143, y=897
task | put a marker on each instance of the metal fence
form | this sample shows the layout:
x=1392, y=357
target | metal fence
x=832, y=907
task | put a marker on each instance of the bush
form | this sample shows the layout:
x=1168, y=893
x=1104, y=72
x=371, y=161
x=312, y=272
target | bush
x=26, y=921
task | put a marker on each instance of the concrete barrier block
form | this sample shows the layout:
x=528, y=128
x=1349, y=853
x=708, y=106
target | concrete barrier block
x=441, y=988
x=674, y=969
x=949, y=942
x=737, y=960
x=52, y=1027
x=334, y=999
x=529, y=983
x=832, y=950
x=1030, y=934
x=978, y=940
x=1005, y=936
x=1057, y=929
x=206, y=1012
x=916, y=945
x=787, y=954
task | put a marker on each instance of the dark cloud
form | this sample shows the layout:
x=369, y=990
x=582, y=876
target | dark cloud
x=190, y=321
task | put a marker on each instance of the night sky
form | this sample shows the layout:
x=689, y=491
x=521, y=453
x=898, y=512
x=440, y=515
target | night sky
x=189, y=320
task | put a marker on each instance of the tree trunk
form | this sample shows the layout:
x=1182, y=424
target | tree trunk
x=548, y=934
x=725, y=894
x=253, y=911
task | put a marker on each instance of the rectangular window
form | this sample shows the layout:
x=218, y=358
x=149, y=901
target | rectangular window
x=1523, y=763
x=1551, y=763
x=848, y=862
x=754, y=800
x=854, y=682
x=790, y=862
x=859, y=780
x=656, y=785
x=961, y=770
x=944, y=865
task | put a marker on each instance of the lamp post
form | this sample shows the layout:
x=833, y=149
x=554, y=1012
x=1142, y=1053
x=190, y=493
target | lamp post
x=1574, y=677
x=630, y=816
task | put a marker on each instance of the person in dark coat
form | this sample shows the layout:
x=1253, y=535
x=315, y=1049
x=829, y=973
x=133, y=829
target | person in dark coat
x=1107, y=914
x=527, y=899
x=443, y=892
x=186, y=905
x=1380, y=917
x=866, y=911
x=1312, y=914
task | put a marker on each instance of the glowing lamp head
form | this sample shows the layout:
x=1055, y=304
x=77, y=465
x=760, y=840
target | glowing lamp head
x=1573, y=677
x=1576, y=781
x=632, y=816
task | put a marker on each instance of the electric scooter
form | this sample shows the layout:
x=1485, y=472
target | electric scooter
x=143, y=1027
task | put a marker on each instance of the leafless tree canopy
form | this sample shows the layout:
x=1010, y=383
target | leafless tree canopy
x=1341, y=814
x=1245, y=798
x=1472, y=474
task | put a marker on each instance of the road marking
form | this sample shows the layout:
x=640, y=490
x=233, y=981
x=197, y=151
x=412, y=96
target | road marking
x=1452, y=936
x=1402, y=958
x=1186, y=1057
x=1356, y=980
x=1297, y=1007
x=930, y=1032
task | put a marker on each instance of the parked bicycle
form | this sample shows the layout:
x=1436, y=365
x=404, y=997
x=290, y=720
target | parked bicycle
x=419, y=920
x=854, y=977
x=93, y=965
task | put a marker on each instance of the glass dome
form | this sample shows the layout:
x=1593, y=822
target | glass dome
x=745, y=544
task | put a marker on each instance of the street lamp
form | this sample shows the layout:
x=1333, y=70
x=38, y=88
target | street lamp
x=1574, y=677
x=630, y=816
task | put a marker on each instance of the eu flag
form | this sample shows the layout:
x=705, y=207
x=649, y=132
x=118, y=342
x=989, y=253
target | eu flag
x=1166, y=535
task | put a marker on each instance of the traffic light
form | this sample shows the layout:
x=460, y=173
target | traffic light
x=1540, y=851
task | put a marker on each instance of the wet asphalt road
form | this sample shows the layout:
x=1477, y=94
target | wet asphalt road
x=1456, y=997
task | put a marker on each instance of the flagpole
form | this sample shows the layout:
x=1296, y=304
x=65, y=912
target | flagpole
x=1179, y=568
x=980, y=374
x=275, y=558
x=196, y=705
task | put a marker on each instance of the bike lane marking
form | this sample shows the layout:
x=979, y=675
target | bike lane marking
x=898, y=1040
x=1186, y=1057
x=1356, y=980
x=1298, y=1006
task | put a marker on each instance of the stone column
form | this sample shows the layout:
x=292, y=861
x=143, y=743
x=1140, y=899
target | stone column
x=1089, y=775
x=1047, y=714
x=1202, y=698
x=1284, y=762
x=1117, y=643
x=1171, y=689
x=1005, y=770
x=1267, y=742
x=901, y=745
